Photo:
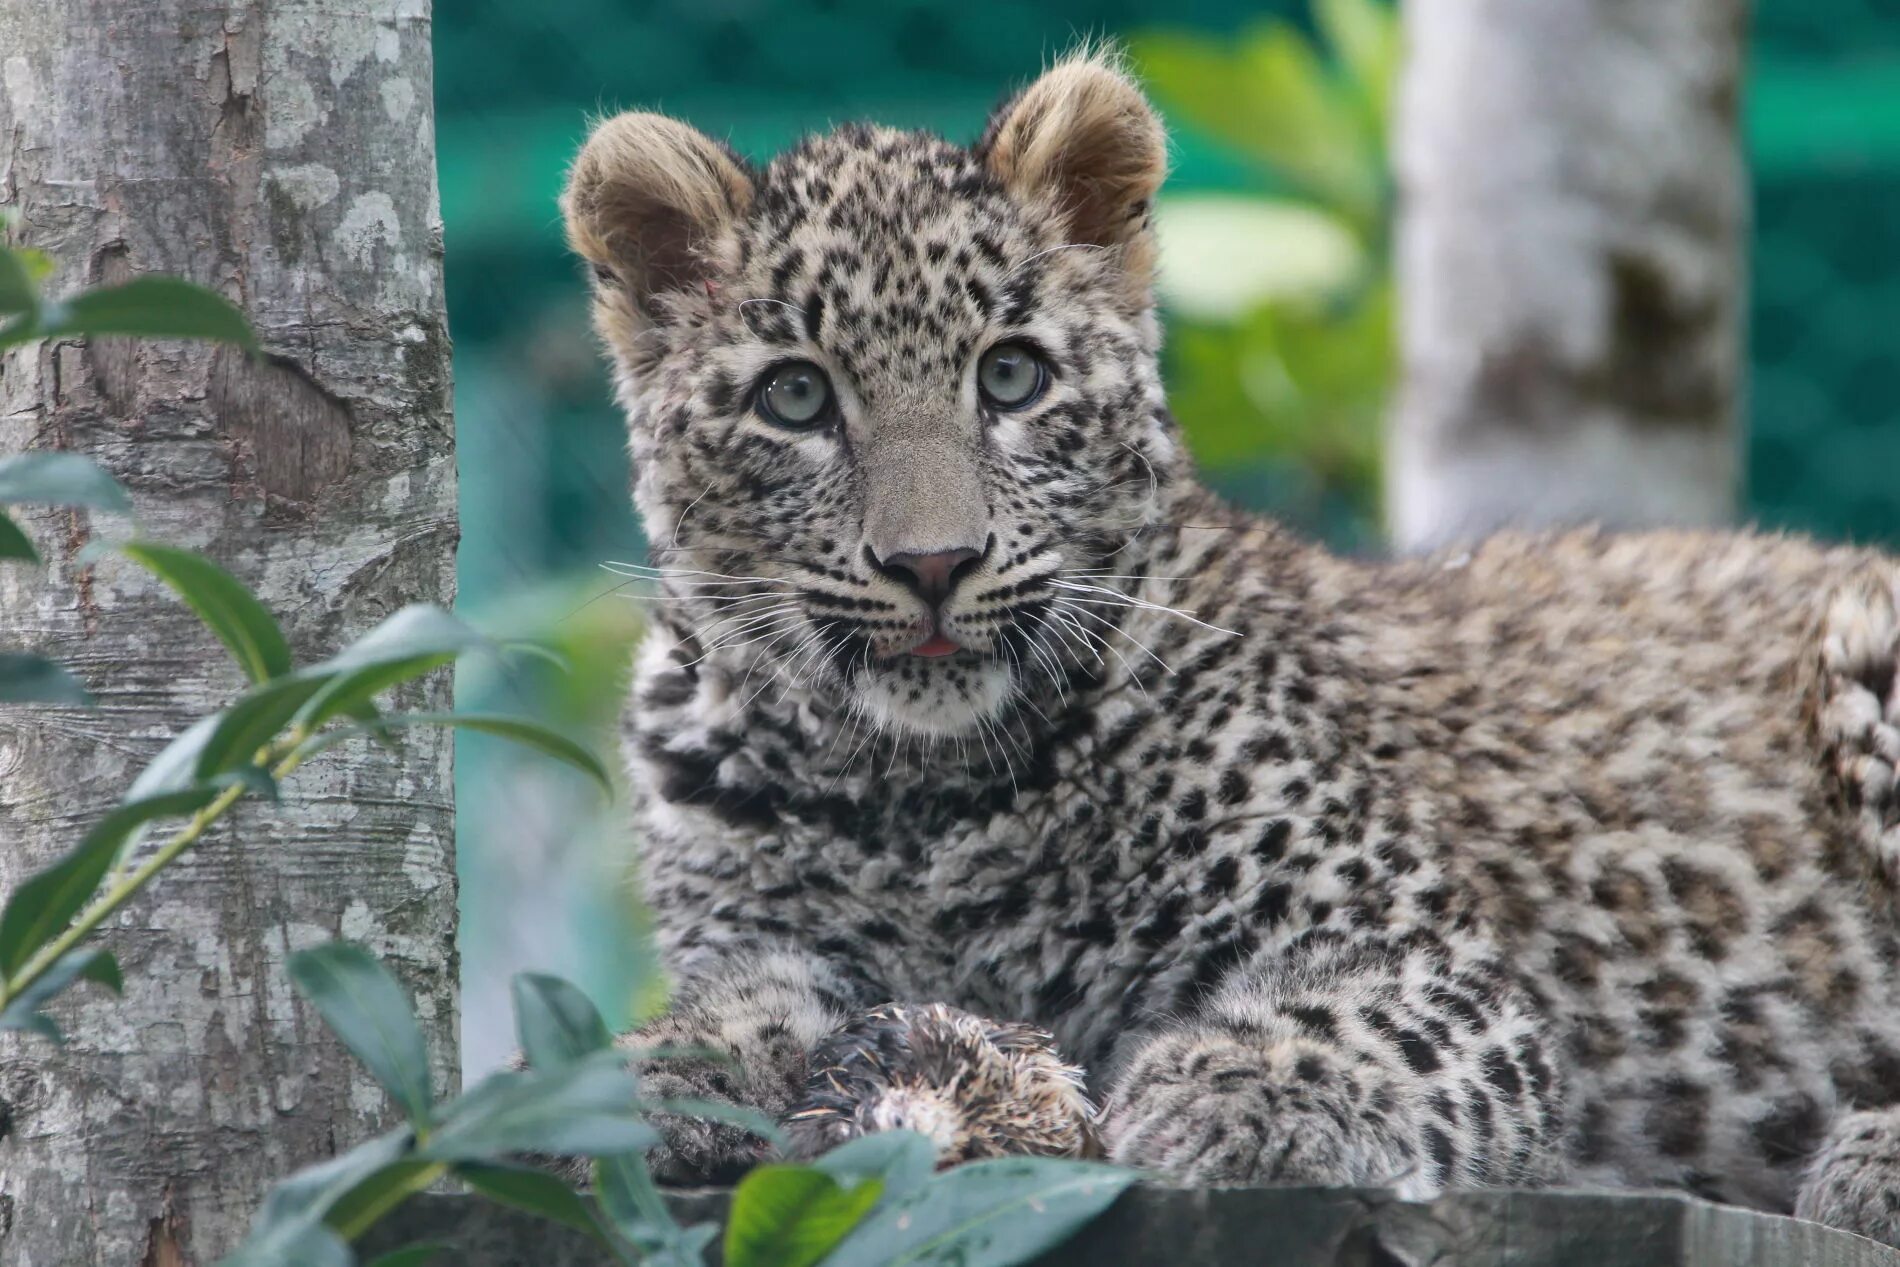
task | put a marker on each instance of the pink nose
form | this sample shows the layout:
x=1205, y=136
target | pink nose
x=930, y=576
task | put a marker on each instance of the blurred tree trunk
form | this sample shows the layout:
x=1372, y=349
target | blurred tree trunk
x=1573, y=210
x=281, y=151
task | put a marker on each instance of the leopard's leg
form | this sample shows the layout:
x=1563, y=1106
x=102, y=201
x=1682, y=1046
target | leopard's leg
x=1853, y=1182
x=1384, y=1061
x=756, y=1012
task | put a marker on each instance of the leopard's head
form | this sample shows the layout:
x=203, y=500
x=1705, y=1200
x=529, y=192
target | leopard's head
x=894, y=402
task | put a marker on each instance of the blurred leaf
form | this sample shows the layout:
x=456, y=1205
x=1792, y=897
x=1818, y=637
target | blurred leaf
x=290, y=1223
x=411, y=1256
x=240, y=732
x=303, y=1243
x=555, y=1023
x=227, y=607
x=1364, y=35
x=903, y=1161
x=42, y=907
x=364, y=1006
x=14, y=543
x=18, y=291
x=82, y=964
x=378, y=1194
x=534, y=1191
x=639, y=1213
x=985, y=1214
x=31, y=679
x=584, y=1109
x=792, y=1216
x=151, y=307
x=519, y=729
x=742, y=1115
x=60, y=479
x=415, y=640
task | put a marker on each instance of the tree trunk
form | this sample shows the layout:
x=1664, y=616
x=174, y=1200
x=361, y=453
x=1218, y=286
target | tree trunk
x=1570, y=261
x=281, y=151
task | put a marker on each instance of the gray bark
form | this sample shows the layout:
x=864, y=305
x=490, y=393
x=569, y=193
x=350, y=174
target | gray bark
x=281, y=151
x=1570, y=238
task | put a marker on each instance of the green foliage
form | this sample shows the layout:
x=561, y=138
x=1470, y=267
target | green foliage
x=792, y=1216
x=1295, y=381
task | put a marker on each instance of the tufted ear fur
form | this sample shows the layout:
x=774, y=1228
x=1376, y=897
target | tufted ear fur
x=648, y=202
x=1083, y=141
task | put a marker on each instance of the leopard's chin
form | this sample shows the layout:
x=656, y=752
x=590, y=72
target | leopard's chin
x=942, y=698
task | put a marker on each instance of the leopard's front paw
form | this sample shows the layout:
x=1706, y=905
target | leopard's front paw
x=1209, y=1109
x=975, y=1087
x=695, y=1150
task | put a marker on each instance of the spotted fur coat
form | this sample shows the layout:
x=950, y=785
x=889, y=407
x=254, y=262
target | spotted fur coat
x=1562, y=859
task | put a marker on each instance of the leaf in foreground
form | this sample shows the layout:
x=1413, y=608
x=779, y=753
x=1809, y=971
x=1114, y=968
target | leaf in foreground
x=46, y=902
x=585, y=1109
x=226, y=606
x=59, y=479
x=792, y=1216
x=555, y=1023
x=364, y=1006
x=84, y=964
x=31, y=679
x=985, y=1214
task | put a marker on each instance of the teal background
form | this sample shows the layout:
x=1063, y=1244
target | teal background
x=543, y=470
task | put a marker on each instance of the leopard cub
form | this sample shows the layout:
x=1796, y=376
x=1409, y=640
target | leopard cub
x=1568, y=859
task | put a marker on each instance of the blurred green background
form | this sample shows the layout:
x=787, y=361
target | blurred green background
x=1276, y=283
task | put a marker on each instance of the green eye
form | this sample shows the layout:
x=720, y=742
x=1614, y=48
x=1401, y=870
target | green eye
x=797, y=395
x=1010, y=375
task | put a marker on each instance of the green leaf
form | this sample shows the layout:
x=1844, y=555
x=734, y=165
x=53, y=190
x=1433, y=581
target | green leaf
x=152, y=307
x=18, y=292
x=364, y=1006
x=792, y=1216
x=903, y=1161
x=535, y=1191
x=227, y=607
x=521, y=730
x=302, y=1244
x=985, y=1214
x=632, y=1202
x=290, y=1223
x=412, y=642
x=42, y=907
x=1364, y=35
x=14, y=543
x=60, y=479
x=257, y=718
x=585, y=1109
x=83, y=964
x=411, y=1255
x=359, y=1209
x=31, y=679
x=555, y=1023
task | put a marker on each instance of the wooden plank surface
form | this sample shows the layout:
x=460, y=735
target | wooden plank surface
x=1281, y=1227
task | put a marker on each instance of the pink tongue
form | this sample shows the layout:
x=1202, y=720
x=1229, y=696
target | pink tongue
x=938, y=645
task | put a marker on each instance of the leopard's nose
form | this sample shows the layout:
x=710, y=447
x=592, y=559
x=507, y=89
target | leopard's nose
x=930, y=576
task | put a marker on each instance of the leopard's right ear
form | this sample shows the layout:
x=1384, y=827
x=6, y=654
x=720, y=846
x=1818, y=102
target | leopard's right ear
x=650, y=203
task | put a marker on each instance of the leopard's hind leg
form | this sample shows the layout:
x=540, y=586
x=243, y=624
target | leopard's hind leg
x=1853, y=1183
x=1857, y=707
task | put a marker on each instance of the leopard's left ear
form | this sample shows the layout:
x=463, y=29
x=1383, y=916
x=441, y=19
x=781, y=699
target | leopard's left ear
x=1084, y=143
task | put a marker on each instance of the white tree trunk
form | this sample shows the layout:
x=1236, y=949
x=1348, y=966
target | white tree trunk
x=1570, y=241
x=281, y=151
